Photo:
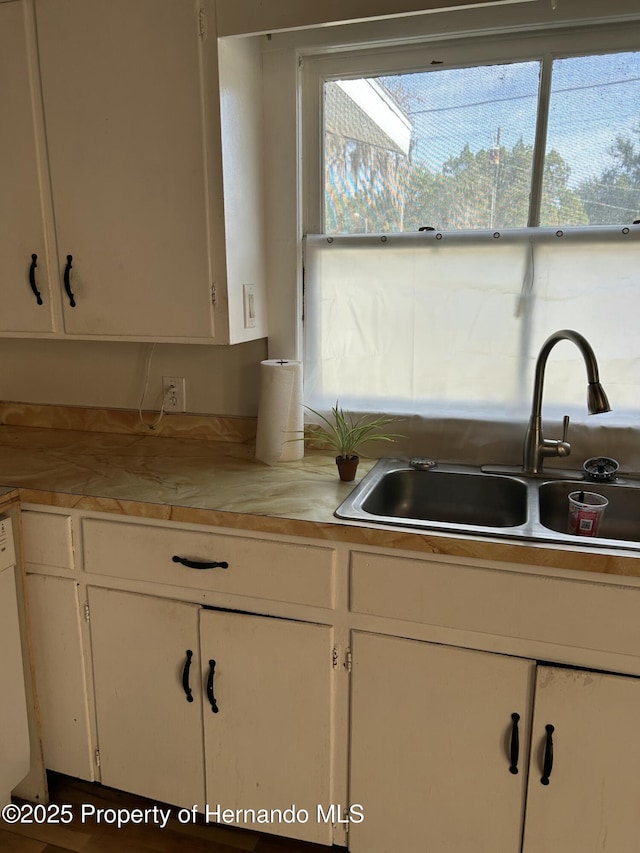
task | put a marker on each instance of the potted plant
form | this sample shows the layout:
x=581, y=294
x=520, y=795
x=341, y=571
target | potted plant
x=345, y=433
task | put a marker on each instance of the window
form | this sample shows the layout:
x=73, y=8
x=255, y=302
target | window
x=454, y=148
x=522, y=159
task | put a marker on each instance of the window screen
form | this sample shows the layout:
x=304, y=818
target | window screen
x=454, y=149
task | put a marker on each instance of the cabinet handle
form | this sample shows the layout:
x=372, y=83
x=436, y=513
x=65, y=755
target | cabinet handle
x=67, y=282
x=547, y=766
x=197, y=564
x=32, y=279
x=185, y=676
x=210, y=696
x=514, y=751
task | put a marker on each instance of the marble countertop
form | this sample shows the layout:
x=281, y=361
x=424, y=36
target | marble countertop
x=220, y=483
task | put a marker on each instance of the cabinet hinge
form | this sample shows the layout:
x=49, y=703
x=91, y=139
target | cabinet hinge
x=334, y=658
x=343, y=820
x=202, y=23
x=97, y=757
x=87, y=612
x=347, y=660
x=213, y=295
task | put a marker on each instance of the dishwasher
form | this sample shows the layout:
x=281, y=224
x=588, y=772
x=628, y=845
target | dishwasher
x=14, y=729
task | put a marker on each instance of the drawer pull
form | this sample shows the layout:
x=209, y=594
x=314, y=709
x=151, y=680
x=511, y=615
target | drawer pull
x=197, y=564
x=67, y=281
x=32, y=279
x=515, y=744
x=210, y=696
x=548, y=755
x=185, y=676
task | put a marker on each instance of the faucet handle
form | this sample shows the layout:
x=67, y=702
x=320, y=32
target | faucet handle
x=563, y=448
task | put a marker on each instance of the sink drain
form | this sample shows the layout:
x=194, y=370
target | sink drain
x=601, y=468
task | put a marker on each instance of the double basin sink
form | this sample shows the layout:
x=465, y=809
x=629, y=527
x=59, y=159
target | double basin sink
x=466, y=499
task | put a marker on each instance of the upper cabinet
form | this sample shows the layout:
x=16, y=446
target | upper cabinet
x=129, y=131
x=24, y=282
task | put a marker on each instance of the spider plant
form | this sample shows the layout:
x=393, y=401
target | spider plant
x=346, y=432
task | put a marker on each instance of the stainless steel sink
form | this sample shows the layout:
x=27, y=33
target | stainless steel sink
x=621, y=519
x=458, y=497
x=464, y=499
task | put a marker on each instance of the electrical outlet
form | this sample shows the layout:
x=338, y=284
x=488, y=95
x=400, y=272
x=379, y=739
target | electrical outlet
x=173, y=394
x=249, y=300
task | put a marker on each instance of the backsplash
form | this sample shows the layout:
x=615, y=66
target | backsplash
x=470, y=442
x=204, y=427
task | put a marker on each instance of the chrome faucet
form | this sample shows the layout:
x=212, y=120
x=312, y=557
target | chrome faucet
x=536, y=446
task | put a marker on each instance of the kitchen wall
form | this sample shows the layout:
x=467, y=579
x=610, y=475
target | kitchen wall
x=221, y=380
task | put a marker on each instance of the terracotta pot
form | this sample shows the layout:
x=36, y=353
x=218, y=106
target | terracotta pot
x=347, y=466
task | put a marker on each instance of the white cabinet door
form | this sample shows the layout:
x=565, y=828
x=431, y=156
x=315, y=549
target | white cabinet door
x=123, y=104
x=14, y=726
x=61, y=688
x=590, y=802
x=268, y=746
x=21, y=217
x=431, y=731
x=149, y=734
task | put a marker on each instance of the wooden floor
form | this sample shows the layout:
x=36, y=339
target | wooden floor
x=89, y=837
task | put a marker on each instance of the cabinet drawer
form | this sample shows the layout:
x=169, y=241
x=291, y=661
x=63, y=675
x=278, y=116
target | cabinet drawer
x=260, y=568
x=498, y=601
x=47, y=539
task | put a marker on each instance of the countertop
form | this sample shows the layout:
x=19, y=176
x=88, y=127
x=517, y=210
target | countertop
x=220, y=483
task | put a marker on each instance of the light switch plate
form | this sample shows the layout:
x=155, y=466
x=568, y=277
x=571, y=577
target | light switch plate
x=249, y=301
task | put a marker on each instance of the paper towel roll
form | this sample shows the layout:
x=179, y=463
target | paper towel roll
x=280, y=412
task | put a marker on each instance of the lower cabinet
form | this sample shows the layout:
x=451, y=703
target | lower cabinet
x=59, y=666
x=590, y=803
x=430, y=736
x=217, y=709
x=244, y=717
x=268, y=744
x=149, y=736
x=434, y=747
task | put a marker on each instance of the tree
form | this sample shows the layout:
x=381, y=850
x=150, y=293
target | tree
x=370, y=189
x=490, y=189
x=614, y=197
x=559, y=204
